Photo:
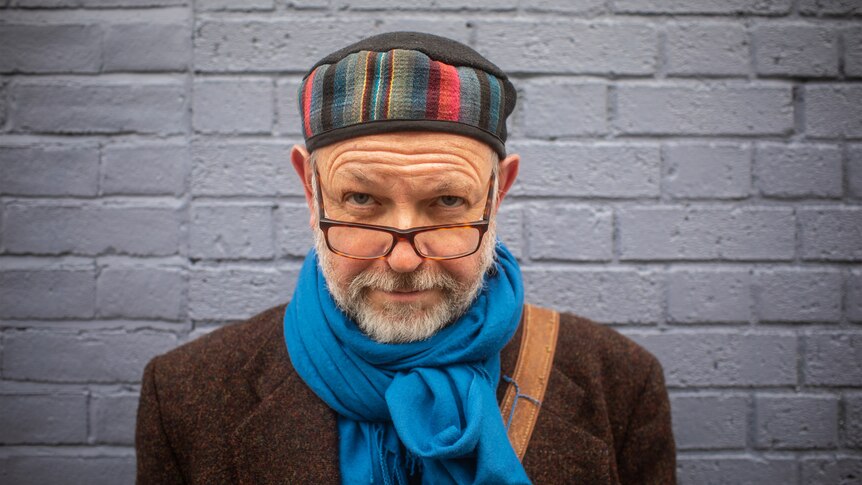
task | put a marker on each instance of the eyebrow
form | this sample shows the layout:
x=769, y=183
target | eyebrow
x=358, y=177
x=451, y=186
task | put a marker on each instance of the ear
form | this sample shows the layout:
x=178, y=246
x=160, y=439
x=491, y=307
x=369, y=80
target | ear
x=299, y=159
x=508, y=174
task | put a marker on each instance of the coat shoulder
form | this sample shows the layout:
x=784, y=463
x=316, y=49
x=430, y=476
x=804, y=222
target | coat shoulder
x=605, y=413
x=220, y=352
x=604, y=362
x=193, y=397
x=585, y=342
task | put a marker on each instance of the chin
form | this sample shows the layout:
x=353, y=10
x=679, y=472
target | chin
x=403, y=322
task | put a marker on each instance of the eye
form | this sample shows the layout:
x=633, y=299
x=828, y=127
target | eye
x=451, y=201
x=359, y=198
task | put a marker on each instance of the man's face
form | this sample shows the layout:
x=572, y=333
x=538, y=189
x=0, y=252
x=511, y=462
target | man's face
x=404, y=180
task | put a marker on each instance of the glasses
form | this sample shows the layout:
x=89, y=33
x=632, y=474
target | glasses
x=369, y=241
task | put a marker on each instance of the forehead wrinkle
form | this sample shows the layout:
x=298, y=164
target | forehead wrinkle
x=382, y=173
x=446, y=173
x=410, y=155
x=397, y=158
x=416, y=185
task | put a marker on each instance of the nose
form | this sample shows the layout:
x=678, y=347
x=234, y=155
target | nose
x=403, y=257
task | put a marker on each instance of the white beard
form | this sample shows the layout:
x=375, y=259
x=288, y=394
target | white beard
x=404, y=322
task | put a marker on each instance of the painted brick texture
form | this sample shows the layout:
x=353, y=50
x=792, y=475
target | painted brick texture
x=691, y=175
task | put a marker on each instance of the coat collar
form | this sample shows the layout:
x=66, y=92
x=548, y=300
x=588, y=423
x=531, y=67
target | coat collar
x=290, y=434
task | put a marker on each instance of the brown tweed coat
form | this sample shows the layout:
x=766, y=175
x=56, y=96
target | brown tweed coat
x=229, y=408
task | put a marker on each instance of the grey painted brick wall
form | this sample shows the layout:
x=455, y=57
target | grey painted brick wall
x=704, y=157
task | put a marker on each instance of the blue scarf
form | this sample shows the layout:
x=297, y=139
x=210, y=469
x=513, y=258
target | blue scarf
x=428, y=405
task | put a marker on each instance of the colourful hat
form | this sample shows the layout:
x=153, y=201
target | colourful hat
x=405, y=81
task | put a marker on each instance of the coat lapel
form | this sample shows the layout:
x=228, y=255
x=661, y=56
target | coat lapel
x=290, y=435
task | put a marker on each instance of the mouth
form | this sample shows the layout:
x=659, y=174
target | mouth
x=405, y=294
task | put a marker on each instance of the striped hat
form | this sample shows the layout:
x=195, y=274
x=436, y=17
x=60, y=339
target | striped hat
x=405, y=81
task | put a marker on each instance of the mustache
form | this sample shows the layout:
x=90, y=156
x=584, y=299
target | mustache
x=387, y=280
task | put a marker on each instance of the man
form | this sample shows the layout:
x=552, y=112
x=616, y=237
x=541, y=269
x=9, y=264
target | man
x=404, y=332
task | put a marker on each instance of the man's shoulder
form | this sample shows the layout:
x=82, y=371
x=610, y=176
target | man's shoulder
x=589, y=351
x=606, y=406
x=222, y=351
x=584, y=337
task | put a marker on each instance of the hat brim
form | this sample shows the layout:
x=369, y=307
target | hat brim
x=376, y=127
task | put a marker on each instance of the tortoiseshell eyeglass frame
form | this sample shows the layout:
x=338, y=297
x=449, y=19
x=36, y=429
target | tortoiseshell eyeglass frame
x=404, y=234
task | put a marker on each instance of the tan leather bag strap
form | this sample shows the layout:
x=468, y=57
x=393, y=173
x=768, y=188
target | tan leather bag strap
x=535, y=359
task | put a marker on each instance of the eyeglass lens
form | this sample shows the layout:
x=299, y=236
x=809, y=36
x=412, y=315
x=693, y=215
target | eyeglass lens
x=437, y=243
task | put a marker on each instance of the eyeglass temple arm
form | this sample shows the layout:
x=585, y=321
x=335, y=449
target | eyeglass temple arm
x=488, y=204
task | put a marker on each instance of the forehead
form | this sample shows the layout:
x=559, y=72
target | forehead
x=406, y=156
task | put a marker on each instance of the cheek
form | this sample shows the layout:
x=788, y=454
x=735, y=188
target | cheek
x=463, y=269
x=345, y=269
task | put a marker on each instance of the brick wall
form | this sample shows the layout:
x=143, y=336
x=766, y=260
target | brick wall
x=705, y=155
